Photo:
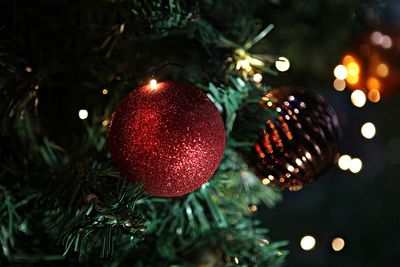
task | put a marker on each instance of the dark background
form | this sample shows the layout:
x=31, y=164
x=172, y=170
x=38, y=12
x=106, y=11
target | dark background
x=361, y=208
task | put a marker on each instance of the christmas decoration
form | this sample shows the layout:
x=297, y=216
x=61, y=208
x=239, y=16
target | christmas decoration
x=299, y=142
x=371, y=65
x=168, y=135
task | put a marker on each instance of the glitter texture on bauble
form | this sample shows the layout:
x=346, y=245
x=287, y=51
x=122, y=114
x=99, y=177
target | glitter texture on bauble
x=169, y=136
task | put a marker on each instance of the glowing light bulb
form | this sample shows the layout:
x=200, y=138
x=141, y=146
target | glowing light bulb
x=358, y=98
x=153, y=84
x=282, y=64
x=339, y=85
x=105, y=91
x=257, y=77
x=28, y=69
x=307, y=242
x=265, y=181
x=83, y=114
x=243, y=64
x=344, y=162
x=337, y=244
x=105, y=123
x=340, y=72
x=122, y=28
x=368, y=130
x=374, y=95
x=355, y=165
x=290, y=168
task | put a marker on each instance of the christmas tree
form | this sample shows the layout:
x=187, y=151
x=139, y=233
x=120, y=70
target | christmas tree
x=102, y=103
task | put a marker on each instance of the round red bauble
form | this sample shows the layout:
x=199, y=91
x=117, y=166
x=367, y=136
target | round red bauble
x=169, y=136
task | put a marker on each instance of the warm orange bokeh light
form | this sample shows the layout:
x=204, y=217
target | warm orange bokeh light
x=353, y=68
x=347, y=60
x=374, y=95
x=382, y=70
x=373, y=83
x=352, y=79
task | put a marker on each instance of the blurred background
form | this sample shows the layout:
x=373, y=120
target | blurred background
x=350, y=216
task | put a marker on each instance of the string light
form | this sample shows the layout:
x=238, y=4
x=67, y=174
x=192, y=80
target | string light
x=257, y=77
x=344, y=162
x=253, y=208
x=105, y=123
x=358, y=98
x=236, y=260
x=83, y=114
x=338, y=244
x=368, y=130
x=282, y=64
x=122, y=28
x=243, y=64
x=265, y=181
x=307, y=242
x=28, y=69
x=153, y=84
x=105, y=91
x=355, y=165
x=340, y=72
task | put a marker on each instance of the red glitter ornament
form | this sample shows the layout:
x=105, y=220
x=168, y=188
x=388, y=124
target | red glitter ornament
x=168, y=135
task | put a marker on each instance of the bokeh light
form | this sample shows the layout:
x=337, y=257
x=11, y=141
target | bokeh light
x=282, y=64
x=352, y=79
x=105, y=91
x=153, y=84
x=257, y=77
x=355, y=165
x=377, y=38
x=386, y=42
x=340, y=72
x=307, y=242
x=83, y=114
x=368, y=130
x=358, y=98
x=373, y=83
x=339, y=85
x=374, y=95
x=382, y=70
x=353, y=69
x=338, y=244
x=344, y=162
